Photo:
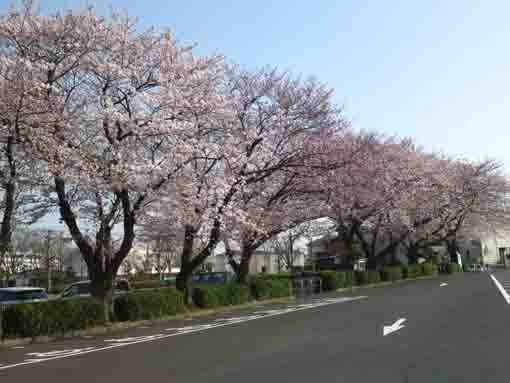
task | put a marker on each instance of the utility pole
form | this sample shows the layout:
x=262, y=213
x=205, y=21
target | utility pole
x=48, y=262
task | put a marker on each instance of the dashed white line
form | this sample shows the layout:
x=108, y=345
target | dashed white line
x=192, y=329
x=501, y=289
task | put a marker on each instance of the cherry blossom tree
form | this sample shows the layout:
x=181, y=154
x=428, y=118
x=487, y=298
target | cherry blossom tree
x=398, y=196
x=113, y=112
x=473, y=199
x=370, y=196
x=261, y=144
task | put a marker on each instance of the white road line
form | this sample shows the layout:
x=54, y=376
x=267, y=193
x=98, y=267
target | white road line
x=151, y=339
x=443, y=284
x=501, y=289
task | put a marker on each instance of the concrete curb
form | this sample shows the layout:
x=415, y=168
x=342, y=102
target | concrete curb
x=385, y=284
x=123, y=326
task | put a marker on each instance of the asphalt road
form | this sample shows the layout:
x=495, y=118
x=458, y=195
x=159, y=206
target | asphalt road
x=448, y=333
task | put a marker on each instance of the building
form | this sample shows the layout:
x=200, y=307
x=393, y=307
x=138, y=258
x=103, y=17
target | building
x=264, y=259
x=330, y=252
x=491, y=247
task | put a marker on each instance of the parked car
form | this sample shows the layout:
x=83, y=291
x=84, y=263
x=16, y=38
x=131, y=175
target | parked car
x=213, y=277
x=14, y=295
x=169, y=280
x=82, y=289
x=476, y=268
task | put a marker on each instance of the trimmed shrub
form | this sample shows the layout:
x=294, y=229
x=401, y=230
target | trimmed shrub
x=341, y=278
x=411, y=271
x=141, y=276
x=330, y=280
x=391, y=273
x=263, y=288
x=452, y=268
x=220, y=295
x=374, y=276
x=367, y=277
x=146, y=284
x=205, y=296
x=51, y=317
x=349, y=278
x=148, y=304
x=238, y=294
x=429, y=268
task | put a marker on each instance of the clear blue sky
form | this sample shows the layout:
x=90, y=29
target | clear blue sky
x=437, y=71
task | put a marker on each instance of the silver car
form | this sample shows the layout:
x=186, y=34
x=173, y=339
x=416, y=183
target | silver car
x=14, y=295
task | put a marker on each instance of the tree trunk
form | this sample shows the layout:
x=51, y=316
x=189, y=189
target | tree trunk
x=244, y=266
x=183, y=282
x=232, y=262
x=102, y=263
x=102, y=285
x=9, y=200
x=452, y=247
x=412, y=254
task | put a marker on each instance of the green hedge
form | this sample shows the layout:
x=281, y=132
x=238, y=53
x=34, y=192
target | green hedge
x=51, y=317
x=141, y=277
x=146, y=284
x=265, y=288
x=452, y=268
x=367, y=277
x=391, y=273
x=411, y=271
x=148, y=304
x=349, y=278
x=429, y=269
x=331, y=280
x=208, y=296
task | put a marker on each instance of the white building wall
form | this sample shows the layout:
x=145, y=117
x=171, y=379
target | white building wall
x=491, y=245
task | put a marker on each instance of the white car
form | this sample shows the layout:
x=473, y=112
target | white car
x=14, y=295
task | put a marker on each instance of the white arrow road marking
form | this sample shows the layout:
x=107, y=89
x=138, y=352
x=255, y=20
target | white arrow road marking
x=443, y=284
x=394, y=327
